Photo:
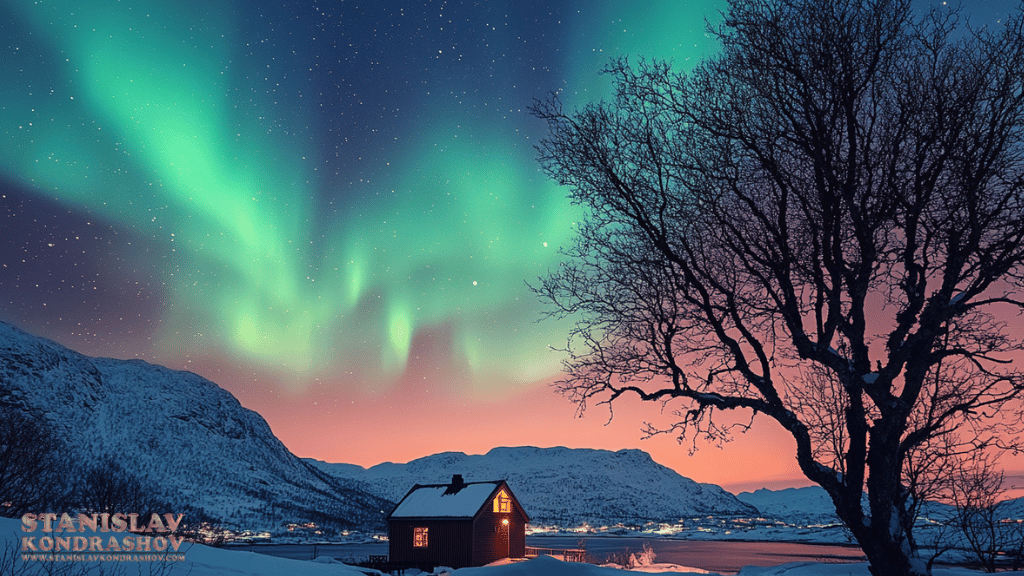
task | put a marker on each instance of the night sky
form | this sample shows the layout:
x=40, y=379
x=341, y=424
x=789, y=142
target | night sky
x=330, y=208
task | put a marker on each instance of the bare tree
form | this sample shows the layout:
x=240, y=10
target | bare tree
x=103, y=485
x=982, y=526
x=822, y=224
x=31, y=464
x=976, y=492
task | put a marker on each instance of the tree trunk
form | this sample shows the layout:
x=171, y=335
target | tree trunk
x=883, y=536
x=889, y=557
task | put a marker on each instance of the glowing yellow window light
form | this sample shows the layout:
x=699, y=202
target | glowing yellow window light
x=419, y=537
x=502, y=502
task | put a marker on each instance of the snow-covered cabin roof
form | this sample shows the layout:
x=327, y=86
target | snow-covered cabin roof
x=462, y=500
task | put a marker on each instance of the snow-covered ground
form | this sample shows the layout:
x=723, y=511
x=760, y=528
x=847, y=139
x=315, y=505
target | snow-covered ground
x=546, y=566
x=199, y=560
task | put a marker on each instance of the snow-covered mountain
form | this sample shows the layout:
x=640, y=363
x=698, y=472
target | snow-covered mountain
x=562, y=486
x=1012, y=508
x=794, y=506
x=182, y=432
x=811, y=505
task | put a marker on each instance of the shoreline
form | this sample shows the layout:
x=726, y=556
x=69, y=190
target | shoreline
x=588, y=536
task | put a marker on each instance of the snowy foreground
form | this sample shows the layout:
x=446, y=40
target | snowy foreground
x=199, y=560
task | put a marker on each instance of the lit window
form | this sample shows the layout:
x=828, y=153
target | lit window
x=419, y=537
x=502, y=502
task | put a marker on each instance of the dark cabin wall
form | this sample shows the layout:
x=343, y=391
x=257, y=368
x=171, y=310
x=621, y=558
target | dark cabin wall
x=492, y=540
x=449, y=542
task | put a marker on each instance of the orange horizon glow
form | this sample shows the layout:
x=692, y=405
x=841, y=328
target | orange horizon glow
x=404, y=423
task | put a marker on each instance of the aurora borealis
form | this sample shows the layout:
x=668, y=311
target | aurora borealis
x=330, y=208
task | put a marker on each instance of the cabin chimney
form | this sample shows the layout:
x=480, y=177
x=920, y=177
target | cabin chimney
x=457, y=484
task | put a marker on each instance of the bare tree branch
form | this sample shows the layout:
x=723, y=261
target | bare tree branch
x=821, y=224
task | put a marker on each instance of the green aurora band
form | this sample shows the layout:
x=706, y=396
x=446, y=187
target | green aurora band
x=159, y=119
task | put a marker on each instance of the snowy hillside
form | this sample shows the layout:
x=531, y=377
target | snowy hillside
x=187, y=435
x=562, y=486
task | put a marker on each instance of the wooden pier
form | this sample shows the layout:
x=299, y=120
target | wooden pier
x=566, y=554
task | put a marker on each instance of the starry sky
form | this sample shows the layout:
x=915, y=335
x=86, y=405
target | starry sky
x=331, y=208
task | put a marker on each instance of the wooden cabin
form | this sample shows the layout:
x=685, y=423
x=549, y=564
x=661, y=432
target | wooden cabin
x=457, y=525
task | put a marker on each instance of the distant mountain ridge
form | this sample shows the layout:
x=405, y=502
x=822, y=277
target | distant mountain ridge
x=807, y=505
x=190, y=437
x=812, y=505
x=562, y=486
